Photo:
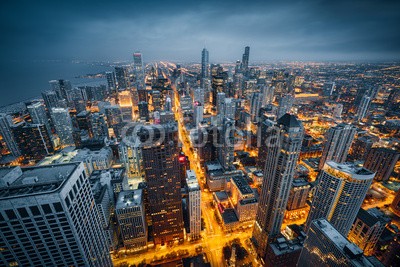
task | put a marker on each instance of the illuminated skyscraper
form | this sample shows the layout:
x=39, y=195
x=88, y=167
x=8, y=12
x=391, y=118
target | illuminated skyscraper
x=340, y=191
x=282, y=151
x=337, y=144
x=162, y=174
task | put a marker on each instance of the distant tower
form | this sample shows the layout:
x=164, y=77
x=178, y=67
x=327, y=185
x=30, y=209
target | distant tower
x=337, y=144
x=121, y=77
x=245, y=59
x=283, y=151
x=340, y=192
x=63, y=125
x=61, y=87
x=138, y=69
x=285, y=105
x=325, y=246
x=111, y=83
x=363, y=107
x=255, y=105
x=52, y=100
x=205, y=72
x=229, y=108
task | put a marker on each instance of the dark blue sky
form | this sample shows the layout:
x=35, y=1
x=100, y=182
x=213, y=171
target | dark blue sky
x=177, y=30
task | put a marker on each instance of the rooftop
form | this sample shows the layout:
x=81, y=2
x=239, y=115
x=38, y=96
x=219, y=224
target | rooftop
x=34, y=180
x=229, y=216
x=129, y=198
x=242, y=185
x=289, y=121
x=348, y=169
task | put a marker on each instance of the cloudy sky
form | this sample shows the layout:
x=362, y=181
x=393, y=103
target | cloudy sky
x=178, y=30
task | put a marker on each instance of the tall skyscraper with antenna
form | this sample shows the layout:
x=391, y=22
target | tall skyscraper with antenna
x=205, y=72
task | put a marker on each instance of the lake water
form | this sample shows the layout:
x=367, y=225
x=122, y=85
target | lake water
x=21, y=80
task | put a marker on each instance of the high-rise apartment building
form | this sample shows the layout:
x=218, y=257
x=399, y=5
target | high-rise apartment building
x=52, y=100
x=382, y=161
x=33, y=140
x=162, y=174
x=337, y=143
x=63, y=125
x=61, y=87
x=283, y=152
x=340, y=192
x=48, y=218
x=285, y=105
x=362, y=110
x=37, y=111
x=325, y=246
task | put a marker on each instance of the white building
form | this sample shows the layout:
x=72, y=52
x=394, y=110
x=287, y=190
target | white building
x=339, y=193
x=194, y=205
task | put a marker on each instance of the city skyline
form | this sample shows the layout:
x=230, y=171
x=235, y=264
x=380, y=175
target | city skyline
x=200, y=133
